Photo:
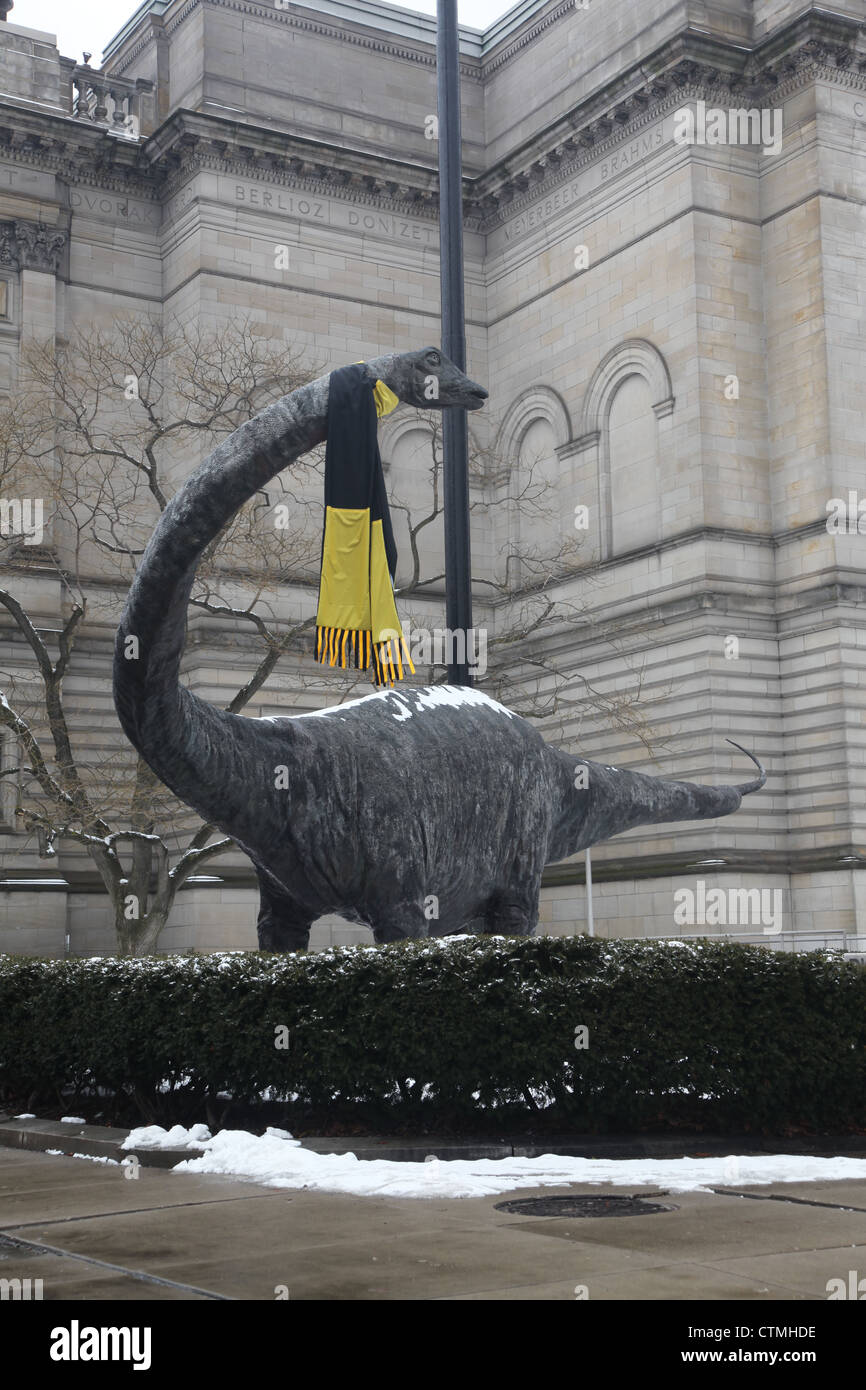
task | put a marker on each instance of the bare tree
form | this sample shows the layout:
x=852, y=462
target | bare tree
x=96, y=435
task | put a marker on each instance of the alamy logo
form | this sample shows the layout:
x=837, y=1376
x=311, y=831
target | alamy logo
x=22, y=516
x=729, y=907
x=442, y=646
x=77, y=1343
x=855, y=1289
x=847, y=516
x=714, y=126
x=20, y=1290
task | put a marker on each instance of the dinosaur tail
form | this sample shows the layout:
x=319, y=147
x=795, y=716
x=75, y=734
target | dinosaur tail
x=604, y=801
x=746, y=788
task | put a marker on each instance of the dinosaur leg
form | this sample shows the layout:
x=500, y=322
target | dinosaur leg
x=514, y=912
x=282, y=925
x=399, y=921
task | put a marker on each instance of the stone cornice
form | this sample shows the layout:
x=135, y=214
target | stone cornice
x=129, y=57
x=813, y=47
x=510, y=49
x=834, y=34
x=154, y=169
x=75, y=151
x=189, y=142
x=152, y=30
x=691, y=65
x=311, y=23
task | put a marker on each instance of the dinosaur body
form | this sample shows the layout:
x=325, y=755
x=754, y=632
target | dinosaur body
x=419, y=811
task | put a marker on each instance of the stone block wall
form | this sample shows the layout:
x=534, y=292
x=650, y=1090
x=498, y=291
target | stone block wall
x=671, y=333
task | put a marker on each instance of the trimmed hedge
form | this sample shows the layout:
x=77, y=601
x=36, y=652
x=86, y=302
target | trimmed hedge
x=468, y=1033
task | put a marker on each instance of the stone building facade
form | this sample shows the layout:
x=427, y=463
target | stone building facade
x=665, y=294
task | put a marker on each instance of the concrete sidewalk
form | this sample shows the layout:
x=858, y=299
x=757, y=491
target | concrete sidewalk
x=90, y=1233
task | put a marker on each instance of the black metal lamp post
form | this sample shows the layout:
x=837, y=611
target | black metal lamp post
x=455, y=435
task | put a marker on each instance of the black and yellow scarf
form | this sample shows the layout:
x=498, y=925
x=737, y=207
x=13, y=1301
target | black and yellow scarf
x=356, y=622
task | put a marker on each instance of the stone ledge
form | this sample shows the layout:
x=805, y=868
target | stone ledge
x=103, y=1142
x=97, y=1141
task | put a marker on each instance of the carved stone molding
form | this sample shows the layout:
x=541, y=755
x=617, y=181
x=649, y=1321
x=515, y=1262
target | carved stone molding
x=394, y=47
x=31, y=246
x=537, y=402
x=690, y=66
x=77, y=152
x=562, y=11
x=634, y=356
x=383, y=188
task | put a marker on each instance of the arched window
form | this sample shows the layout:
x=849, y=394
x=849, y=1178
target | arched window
x=528, y=471
x=622, y=437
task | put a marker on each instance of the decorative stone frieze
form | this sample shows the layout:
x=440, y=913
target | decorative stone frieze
x=31, y=246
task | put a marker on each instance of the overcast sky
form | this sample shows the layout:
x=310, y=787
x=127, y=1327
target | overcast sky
x=89, y=24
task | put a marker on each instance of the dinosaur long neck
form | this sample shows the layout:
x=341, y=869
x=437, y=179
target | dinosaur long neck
x=184, y=739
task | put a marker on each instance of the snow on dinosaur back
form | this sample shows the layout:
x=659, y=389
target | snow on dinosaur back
x=403, y=704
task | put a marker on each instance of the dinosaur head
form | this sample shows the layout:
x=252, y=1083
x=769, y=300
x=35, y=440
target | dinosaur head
x=427, y=379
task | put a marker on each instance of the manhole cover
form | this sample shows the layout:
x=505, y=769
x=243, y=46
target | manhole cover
x=583, y=1206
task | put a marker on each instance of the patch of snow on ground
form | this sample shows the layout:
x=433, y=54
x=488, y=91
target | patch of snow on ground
x=155, y=1137
x=72, y=1120
x=91, y=1158
x=282, y=1162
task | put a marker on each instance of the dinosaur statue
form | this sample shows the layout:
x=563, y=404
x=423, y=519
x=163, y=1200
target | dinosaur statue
x=416, y=812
